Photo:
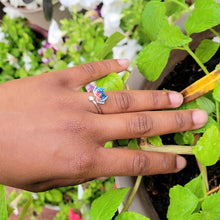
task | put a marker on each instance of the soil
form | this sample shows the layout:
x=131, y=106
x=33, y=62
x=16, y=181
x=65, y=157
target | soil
x=184, y=74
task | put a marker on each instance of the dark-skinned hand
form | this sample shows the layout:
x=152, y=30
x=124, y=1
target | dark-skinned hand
x=51, y=135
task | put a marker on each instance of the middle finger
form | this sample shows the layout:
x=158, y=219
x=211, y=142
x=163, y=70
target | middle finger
x=146, y=124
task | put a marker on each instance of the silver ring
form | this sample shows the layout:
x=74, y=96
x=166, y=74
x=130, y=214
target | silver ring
x=92, y=99
x=99, y=98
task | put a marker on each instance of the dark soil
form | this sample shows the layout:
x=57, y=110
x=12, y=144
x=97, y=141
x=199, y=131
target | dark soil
x=184, y=74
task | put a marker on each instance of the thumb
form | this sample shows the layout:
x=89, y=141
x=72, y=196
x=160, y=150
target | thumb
x=125, y=162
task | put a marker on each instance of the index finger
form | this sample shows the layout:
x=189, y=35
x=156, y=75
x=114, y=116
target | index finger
x=81, y=75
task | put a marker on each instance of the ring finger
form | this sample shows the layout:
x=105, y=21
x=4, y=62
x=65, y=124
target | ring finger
x=134, y=100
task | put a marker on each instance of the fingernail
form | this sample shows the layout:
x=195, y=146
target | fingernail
x=176, y=99
x=123, y=62
x=199, y=117
x=180, y=162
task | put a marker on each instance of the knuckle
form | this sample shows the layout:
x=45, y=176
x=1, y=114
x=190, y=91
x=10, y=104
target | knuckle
x=74, y=126
x=89, y=68
x=140, y=164
x=123, y=101
x=179, y=120
x=165, y=162
x=155, y=98
x=140, y=125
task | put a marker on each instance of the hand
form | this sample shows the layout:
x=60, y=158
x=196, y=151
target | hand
x=51, y=135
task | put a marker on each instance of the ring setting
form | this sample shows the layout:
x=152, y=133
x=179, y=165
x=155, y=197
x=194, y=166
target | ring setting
x=98, y=98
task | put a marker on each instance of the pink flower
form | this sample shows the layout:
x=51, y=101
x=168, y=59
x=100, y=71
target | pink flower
x=73, y=216
x=42, y=50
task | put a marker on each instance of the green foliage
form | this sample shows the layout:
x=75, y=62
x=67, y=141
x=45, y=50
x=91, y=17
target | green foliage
x=203, y=17
x=184, y=138
x=18, y=50
x=111, y=82
x=54, y=196
x=133, y=144
x=216, y=92
x=172, y=7
x=207, y=149
x=155, y=51
x=105, y=206
x=182, y=203
x=3, y=204
x=206, y=50
x=156, y=140
x=211, y=207
x=153, y=19
x=130, y=216
x=111, y=42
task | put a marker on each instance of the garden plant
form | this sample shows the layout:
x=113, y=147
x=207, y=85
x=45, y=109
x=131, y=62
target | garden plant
x=149, y=27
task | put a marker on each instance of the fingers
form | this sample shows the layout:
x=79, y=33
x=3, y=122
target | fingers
x=124, y=162
x=145, y=124
x=130, y=101
x=81, y=75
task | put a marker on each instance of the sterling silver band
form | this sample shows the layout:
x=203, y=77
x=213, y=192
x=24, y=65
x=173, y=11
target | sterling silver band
x=92, y=99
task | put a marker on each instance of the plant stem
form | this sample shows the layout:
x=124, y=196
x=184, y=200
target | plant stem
x=215, y=32
x=203, y=173
x=217, y=112
x=196, y=59
x=180, y=3
x=175, y=149
x=132, y=194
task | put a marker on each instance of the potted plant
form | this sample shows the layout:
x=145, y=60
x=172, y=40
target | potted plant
x=161, y=37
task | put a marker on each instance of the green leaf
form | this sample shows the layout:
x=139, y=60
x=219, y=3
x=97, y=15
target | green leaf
x=196, y=187
x=172, y=36
x=206, y=50
x=111, y=82
x=203, y=17
x=54, y=196
x=216, y=92
x=111, y=42
x=153, y=18
x=207, y=149
x=205, y=104
x=217, y=66
x=173, y=7
x=108, y=144
x=123, y=142
x=152, y=60
x=211, y=206
x=3, y=204
x=133, y=144
x=195, y=216
x=182, y=203
x=105, y=206
x=131, y=216
x=184, y=138
x=156, y=140
x=25, y=208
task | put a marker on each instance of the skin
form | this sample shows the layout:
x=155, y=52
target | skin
x=51, y=135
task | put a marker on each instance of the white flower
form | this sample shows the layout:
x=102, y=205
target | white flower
x=71, y=64
x=27, y=61
x=111, y=11
x=12, y=61
x=80, y=192
x=12, y=13
x=111, y=24
x=55, y=36
x=216, y=39
x=2, y=37
x=80, y=4
x=127, y=51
